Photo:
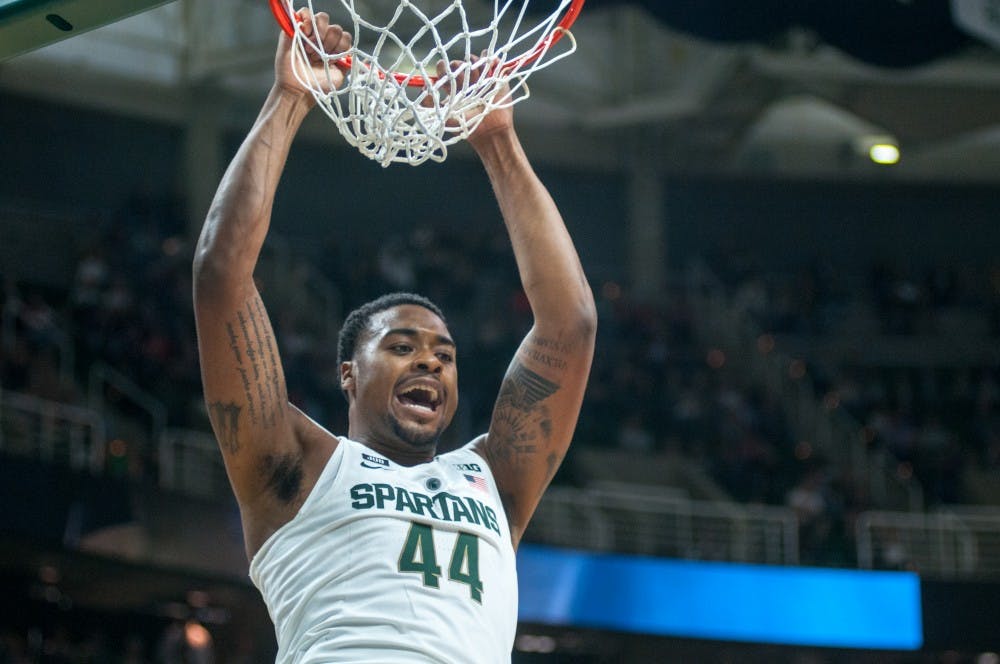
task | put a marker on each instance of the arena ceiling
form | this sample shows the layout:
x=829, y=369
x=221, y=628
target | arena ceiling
x=789, y=88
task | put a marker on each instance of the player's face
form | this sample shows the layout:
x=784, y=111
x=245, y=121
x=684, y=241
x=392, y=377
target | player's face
x=405, y=381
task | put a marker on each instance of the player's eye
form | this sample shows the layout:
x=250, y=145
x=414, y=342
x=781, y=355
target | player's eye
x=445, y=357
x=401, y=349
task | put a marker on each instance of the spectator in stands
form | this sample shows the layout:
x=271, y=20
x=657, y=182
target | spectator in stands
x=891, y=551
x=648, y=349
x=986, y=433
x=938, y=461
x=993, y=300
x=185, y=642
x=15, y=364
x=634, y=436
x=13, y=648
x=89, y=281
x=815, y=507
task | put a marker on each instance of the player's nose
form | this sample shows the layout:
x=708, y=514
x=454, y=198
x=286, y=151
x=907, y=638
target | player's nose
x=428, y=361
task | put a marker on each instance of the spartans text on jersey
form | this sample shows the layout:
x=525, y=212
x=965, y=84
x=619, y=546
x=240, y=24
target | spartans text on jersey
x=441, y=506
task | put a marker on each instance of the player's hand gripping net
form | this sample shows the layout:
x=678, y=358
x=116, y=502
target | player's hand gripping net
x=398, y=103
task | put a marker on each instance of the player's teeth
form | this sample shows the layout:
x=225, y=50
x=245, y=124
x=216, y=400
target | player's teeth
x=432, y=392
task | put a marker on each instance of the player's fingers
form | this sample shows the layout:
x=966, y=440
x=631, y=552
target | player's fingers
x=304, y=16
x=322, y=23
x=486, y=64
x=345, y=42
x=478, y=68
x=336, y=39
x=460, y=72
x=315, y=28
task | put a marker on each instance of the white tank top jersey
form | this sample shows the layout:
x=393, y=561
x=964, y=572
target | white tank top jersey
x=387, y=563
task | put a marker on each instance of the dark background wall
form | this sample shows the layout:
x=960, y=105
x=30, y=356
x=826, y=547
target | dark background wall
x=73, y=158
x=327, y=191
x=851, y=224
x=86, y=163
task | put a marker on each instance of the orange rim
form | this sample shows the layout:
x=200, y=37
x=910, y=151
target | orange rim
x=568, y=19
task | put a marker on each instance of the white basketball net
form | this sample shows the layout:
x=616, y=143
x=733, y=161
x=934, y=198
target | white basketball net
x=382, y=113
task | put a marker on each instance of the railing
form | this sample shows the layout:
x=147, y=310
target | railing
x=51, y=432
x=190, y=463
x=646, y=522
x=103, y=378
x=953, y=543
x=624, y=519
x=961, y=542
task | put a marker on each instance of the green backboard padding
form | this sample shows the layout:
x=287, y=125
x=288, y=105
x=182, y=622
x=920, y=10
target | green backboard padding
x=29, y=24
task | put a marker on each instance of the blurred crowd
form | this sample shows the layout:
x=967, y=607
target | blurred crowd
x=123, y=639
x=913, y=357
x=61, y=645
x=655, y=386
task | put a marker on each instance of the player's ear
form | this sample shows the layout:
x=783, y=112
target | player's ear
x=347, y=376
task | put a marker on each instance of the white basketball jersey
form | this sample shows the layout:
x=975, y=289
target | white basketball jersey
x=388, y=563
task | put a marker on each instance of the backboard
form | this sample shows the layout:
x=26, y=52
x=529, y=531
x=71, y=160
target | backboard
x=29, y=24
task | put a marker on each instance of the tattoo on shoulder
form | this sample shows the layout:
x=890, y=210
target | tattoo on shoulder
x=226, y=418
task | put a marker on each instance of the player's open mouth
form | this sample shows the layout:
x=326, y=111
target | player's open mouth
x=421, y=396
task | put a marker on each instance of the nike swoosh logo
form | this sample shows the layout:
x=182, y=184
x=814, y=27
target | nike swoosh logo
x=365, y=464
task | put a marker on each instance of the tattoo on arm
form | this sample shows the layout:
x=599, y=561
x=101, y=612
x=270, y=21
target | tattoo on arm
x=273, y=374
x=549, y=352
x=244, y=378
x=520, y=417
x=522, y=427
x=526, y=389
x=257, y=363
x=226, y=417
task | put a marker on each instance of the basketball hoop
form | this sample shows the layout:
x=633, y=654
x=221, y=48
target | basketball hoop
x=396, y=105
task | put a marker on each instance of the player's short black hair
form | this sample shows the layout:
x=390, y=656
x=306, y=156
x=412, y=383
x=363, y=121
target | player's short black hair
x=357, y=321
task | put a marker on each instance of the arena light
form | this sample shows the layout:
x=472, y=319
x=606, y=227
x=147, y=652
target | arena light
x=880, y=149
x=885, y=154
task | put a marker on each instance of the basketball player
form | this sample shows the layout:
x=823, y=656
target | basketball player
x=369, y=547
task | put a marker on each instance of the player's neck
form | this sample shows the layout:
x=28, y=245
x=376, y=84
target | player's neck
x=398, y=451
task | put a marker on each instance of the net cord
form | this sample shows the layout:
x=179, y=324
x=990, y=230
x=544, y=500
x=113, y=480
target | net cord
x=396, y=116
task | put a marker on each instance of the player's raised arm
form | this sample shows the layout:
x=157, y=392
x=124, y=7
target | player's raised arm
x=261, y=435
x=540, y=397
